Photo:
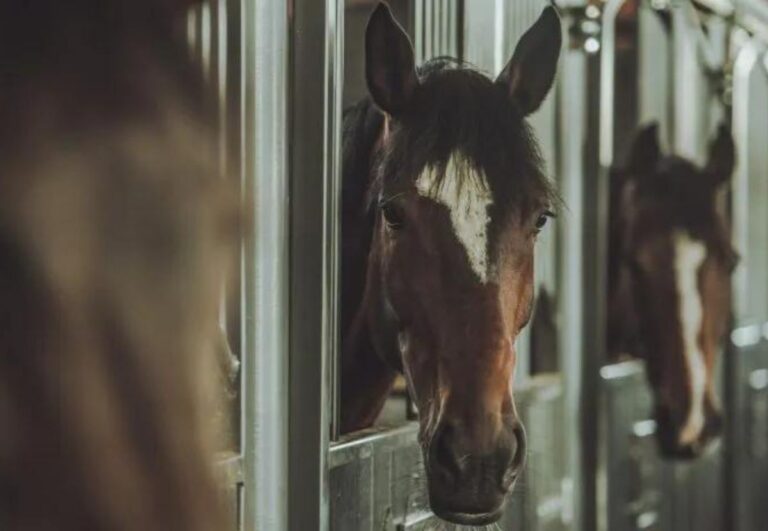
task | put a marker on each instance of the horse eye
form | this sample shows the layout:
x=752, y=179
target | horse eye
x=393, y=215
x=542, y=220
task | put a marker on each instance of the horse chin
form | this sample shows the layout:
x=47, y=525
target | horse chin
x=454, y=509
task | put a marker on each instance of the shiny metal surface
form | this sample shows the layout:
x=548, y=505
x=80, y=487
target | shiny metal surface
x=264, y=123
x=572, y=119
x=748, y=400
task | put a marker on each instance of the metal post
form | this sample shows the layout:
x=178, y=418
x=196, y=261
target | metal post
x=315, y=95
x=264, y=27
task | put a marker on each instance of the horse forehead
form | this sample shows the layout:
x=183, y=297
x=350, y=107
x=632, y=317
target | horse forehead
x=463, y=189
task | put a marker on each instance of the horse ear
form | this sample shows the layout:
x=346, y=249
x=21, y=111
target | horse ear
x=645, y=152
x=722, y=156
x=390, y=65
x=528, y=76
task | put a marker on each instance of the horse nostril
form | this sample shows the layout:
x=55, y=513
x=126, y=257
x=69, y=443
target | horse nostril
x=518, y=452
x=515, y=456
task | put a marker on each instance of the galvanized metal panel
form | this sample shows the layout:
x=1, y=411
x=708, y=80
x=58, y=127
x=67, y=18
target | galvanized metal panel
x=259, y=55
x=640, y=490
x=632, y=485
x=750, y=188
x=573, y=119
x=377, y=480
x=546, y=498
x=749, y=430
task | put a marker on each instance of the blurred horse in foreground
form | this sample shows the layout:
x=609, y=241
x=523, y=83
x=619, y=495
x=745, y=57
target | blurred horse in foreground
x=114, y=233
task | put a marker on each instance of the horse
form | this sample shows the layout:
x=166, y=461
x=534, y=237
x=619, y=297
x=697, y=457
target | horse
x=443, y=196
x=670, y=262
x=114, y=232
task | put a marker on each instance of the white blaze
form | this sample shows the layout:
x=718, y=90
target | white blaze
x=465, y=192
x=689, y=255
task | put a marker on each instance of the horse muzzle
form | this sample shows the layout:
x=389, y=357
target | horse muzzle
x=468, y=486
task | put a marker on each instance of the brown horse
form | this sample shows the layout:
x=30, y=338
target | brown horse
x=670, y=265
x=444, y=195
x=113, y=228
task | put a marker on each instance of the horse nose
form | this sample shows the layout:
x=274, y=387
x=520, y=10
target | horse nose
x=455, y=455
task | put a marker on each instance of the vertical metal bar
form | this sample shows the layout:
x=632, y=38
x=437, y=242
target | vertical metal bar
x=418, y=30
x=428, y=50
x=498, y=32
x=607, y=80
x=572, y=137
x=265, y=262
x=594, y=262
x=436, y=27
x=205, y=39
x=743, y=67
x=332, y=203
x=317, y=69
x=453, y=29
x=655, y=70
x=192, y=36
x=222, y=64
x=445, y=31
x=686, y=86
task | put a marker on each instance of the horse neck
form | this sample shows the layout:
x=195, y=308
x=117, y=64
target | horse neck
x=366, y=378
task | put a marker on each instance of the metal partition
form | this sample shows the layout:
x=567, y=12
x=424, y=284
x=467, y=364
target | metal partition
x=748, y=393
x=316, y=39
x=260, y=30
x=574, y=124
x=627, y=486
x=655, y=71
x=436, y=29
x=634, y=488
x=242, y=51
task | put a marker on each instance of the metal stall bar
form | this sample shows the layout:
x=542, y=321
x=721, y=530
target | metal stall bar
x=218, y=58
x=315, y=95
x=686, y=89
x=574, y=144
x=655, y=71
x=748, y=404
x=572, y=91
x=264, y=40
x=595, y=218
x=418, y=30
x=744, y=63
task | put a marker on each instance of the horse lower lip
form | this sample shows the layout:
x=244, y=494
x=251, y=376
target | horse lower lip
x=470, y=518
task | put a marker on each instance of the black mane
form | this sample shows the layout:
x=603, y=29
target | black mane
x=361, y=130
x=457, y=108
